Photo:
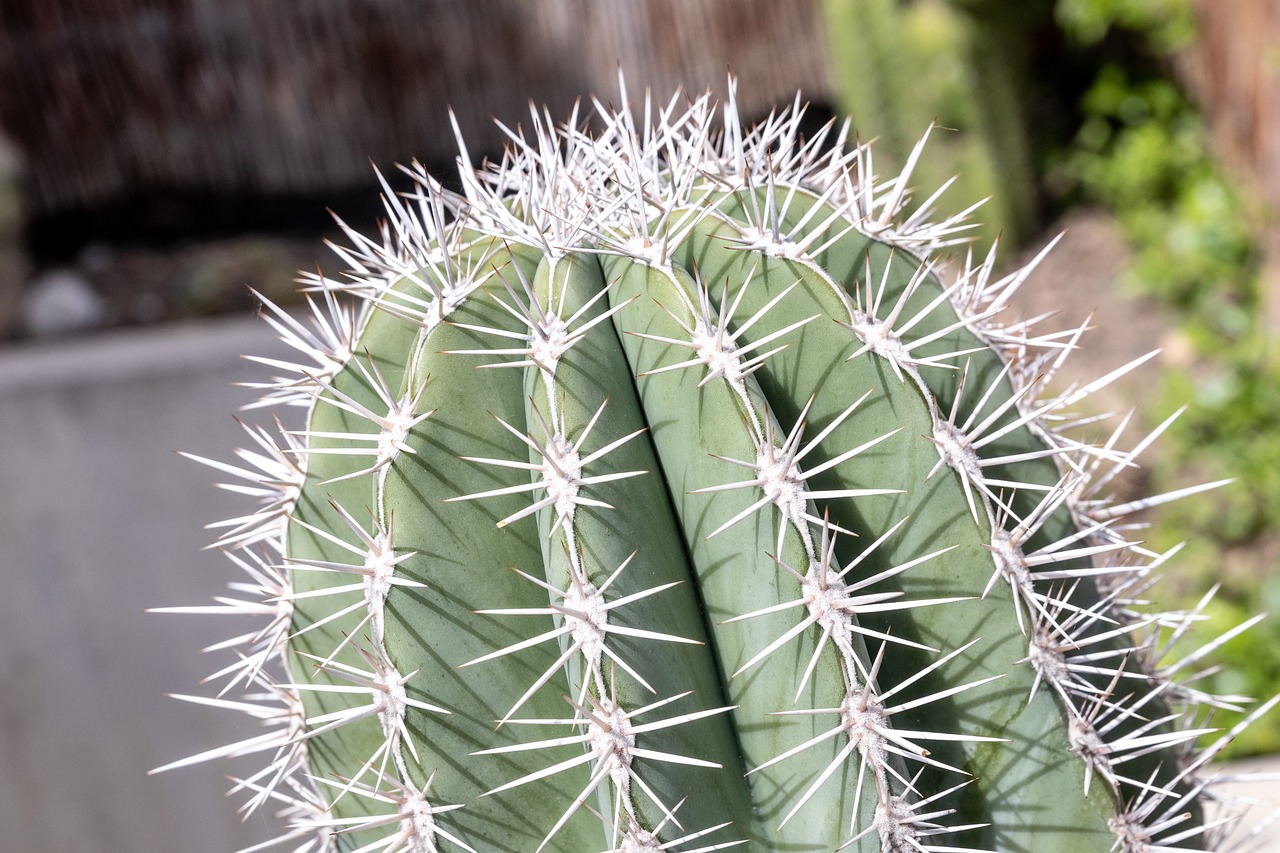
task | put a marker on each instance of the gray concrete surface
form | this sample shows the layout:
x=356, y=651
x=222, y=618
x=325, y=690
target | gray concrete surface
x=99, y=519
x=1260, y=797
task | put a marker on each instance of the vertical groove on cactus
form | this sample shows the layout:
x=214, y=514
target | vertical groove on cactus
x=672, y=488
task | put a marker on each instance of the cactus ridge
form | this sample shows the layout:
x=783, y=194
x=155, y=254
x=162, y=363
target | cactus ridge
x=672, y=487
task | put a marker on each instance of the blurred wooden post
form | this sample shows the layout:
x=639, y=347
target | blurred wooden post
x=14, y=265
x=1233, y=70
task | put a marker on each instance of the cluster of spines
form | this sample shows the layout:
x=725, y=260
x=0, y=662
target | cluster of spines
x=1061, y=633
x=637, y=192
x=565, y=457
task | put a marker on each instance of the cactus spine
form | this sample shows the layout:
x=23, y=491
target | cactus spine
x=668, y=491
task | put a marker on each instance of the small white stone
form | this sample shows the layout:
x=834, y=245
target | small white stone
x=61, y=301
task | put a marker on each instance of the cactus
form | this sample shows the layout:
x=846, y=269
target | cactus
x=668, y=488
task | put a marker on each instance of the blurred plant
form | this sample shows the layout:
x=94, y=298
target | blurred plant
x=899, y=65
x=1166, y=25
x=1143, y=152
x=1250, y=661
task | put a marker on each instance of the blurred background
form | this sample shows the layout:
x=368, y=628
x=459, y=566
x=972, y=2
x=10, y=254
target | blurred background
x=157, y=157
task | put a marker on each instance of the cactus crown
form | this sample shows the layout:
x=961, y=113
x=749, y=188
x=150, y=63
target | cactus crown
x=666, y=490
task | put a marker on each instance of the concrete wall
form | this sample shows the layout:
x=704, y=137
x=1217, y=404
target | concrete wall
x=99, y=519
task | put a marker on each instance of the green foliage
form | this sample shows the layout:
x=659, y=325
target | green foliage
x=1234, y=403
x=1256, y=648
x=1167, y=24
x=1234, y=542
x=1143, y=152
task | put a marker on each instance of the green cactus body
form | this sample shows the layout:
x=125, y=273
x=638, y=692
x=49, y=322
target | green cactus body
x=662, y=495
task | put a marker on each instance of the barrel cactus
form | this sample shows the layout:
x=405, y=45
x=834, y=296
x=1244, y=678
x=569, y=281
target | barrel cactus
x=676, y=485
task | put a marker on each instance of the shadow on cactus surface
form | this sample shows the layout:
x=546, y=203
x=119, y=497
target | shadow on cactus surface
x=680, y=486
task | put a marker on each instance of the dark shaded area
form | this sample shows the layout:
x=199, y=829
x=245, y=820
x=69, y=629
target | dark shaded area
x=122, y=97
x=146, y=126
x=165, y=219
